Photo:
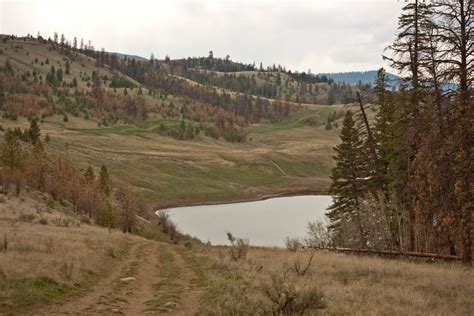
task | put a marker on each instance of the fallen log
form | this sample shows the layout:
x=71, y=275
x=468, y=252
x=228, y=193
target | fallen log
x=392, y=253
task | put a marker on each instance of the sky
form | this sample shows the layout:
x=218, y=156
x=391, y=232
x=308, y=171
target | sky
x=320, y=35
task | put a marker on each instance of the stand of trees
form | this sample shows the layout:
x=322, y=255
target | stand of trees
x=404, y=182
x=25, y=162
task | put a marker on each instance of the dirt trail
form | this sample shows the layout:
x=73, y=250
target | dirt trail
x=191, y=297
x=127, y=289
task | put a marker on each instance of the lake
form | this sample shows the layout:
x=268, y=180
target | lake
x=264, y=223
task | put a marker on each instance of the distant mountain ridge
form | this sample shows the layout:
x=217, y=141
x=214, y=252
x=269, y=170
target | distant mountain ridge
x=356, y=77
x=135, y=57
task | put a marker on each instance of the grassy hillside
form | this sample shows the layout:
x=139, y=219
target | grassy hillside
x=285, y=156
x=53, y=262
x=277, y=158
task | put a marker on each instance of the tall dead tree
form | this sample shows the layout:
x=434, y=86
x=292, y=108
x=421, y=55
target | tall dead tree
x=455, y=21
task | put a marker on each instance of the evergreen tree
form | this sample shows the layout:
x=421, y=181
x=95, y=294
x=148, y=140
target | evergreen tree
x=107, y=217
x=89, y=175
x=34, y=132
x=59, y=75
x=12, y=154
x=68, y=67
x=104, y=180
x=348, y=179
x=97, y=86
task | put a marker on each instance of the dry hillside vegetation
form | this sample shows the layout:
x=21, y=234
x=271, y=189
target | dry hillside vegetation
x=52, y=263
x=167, y=165
x=335, y=284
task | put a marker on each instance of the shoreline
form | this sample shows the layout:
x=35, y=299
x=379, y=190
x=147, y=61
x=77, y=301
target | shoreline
x=286, y=193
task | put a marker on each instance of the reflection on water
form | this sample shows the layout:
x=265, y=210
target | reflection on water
x=264, y=223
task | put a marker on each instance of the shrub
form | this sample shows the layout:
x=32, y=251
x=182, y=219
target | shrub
x=43, y=221
x=293, y=244
x=301, y=268
x=282, y=297
x=239, y=247
x=166, y=225
x=28, y=218
x=318, y=235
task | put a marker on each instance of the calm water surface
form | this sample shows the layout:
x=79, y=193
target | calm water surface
x=264, y=223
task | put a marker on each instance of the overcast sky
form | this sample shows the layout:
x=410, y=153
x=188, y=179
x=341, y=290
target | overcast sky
x=321, y=35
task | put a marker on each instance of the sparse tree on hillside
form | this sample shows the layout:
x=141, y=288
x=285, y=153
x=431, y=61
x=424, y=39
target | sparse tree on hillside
x=12, y=154
x=104, y=180
x=128, y=207
x=74, y=43
x=107, y=217
x=59, y=75
x=97, y=87
x=68, y=67
x=34, y=132
x=56, y=37
x=39, y=166
x=89, y=175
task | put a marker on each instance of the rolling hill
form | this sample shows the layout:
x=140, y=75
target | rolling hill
x=177, y=138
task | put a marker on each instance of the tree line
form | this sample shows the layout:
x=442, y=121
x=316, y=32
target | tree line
x=404, y=180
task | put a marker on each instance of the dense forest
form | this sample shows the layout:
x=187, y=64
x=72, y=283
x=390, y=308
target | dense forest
x=404, y=181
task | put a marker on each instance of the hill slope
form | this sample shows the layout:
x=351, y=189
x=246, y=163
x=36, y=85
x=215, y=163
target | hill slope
x=137, y=129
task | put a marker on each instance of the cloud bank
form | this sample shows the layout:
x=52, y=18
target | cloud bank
x=324, y=36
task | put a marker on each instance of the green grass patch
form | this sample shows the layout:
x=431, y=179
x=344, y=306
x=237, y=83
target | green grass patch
x=23, y=293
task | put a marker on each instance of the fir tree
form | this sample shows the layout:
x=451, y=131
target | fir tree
x=348, y=179
x=12, y=154
x=89, y=175
x=104, y=180
x=34, y=132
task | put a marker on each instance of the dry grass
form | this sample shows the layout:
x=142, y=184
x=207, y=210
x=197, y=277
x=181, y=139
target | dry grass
x=50, y=261
x=354, y=285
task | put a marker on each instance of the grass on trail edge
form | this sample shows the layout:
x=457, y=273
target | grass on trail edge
x=24, y=293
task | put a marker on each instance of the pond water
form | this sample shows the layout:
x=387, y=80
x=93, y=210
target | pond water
x=264, y=223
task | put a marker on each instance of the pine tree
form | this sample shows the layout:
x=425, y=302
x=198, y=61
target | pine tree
x=348, y=180
x=89, y=175
x=34, y=132
x=107, y=217
x=39, y=166
x=59, y=75
x=12, y=154
x=68, y=67
x=407, y=51
x=104, y=180
x=455, y=23
x=97, y=87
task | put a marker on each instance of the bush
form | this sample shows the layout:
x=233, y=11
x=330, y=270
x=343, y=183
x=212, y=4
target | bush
x=282, y=297
x=43, y=221
x=239, y=247
x=293, y=244
x=28, y=218
x=166, y=225
x=318, y=235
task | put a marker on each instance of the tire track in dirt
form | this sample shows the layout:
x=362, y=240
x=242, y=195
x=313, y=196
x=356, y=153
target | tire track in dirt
x=113, y=296
x=191, y=297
